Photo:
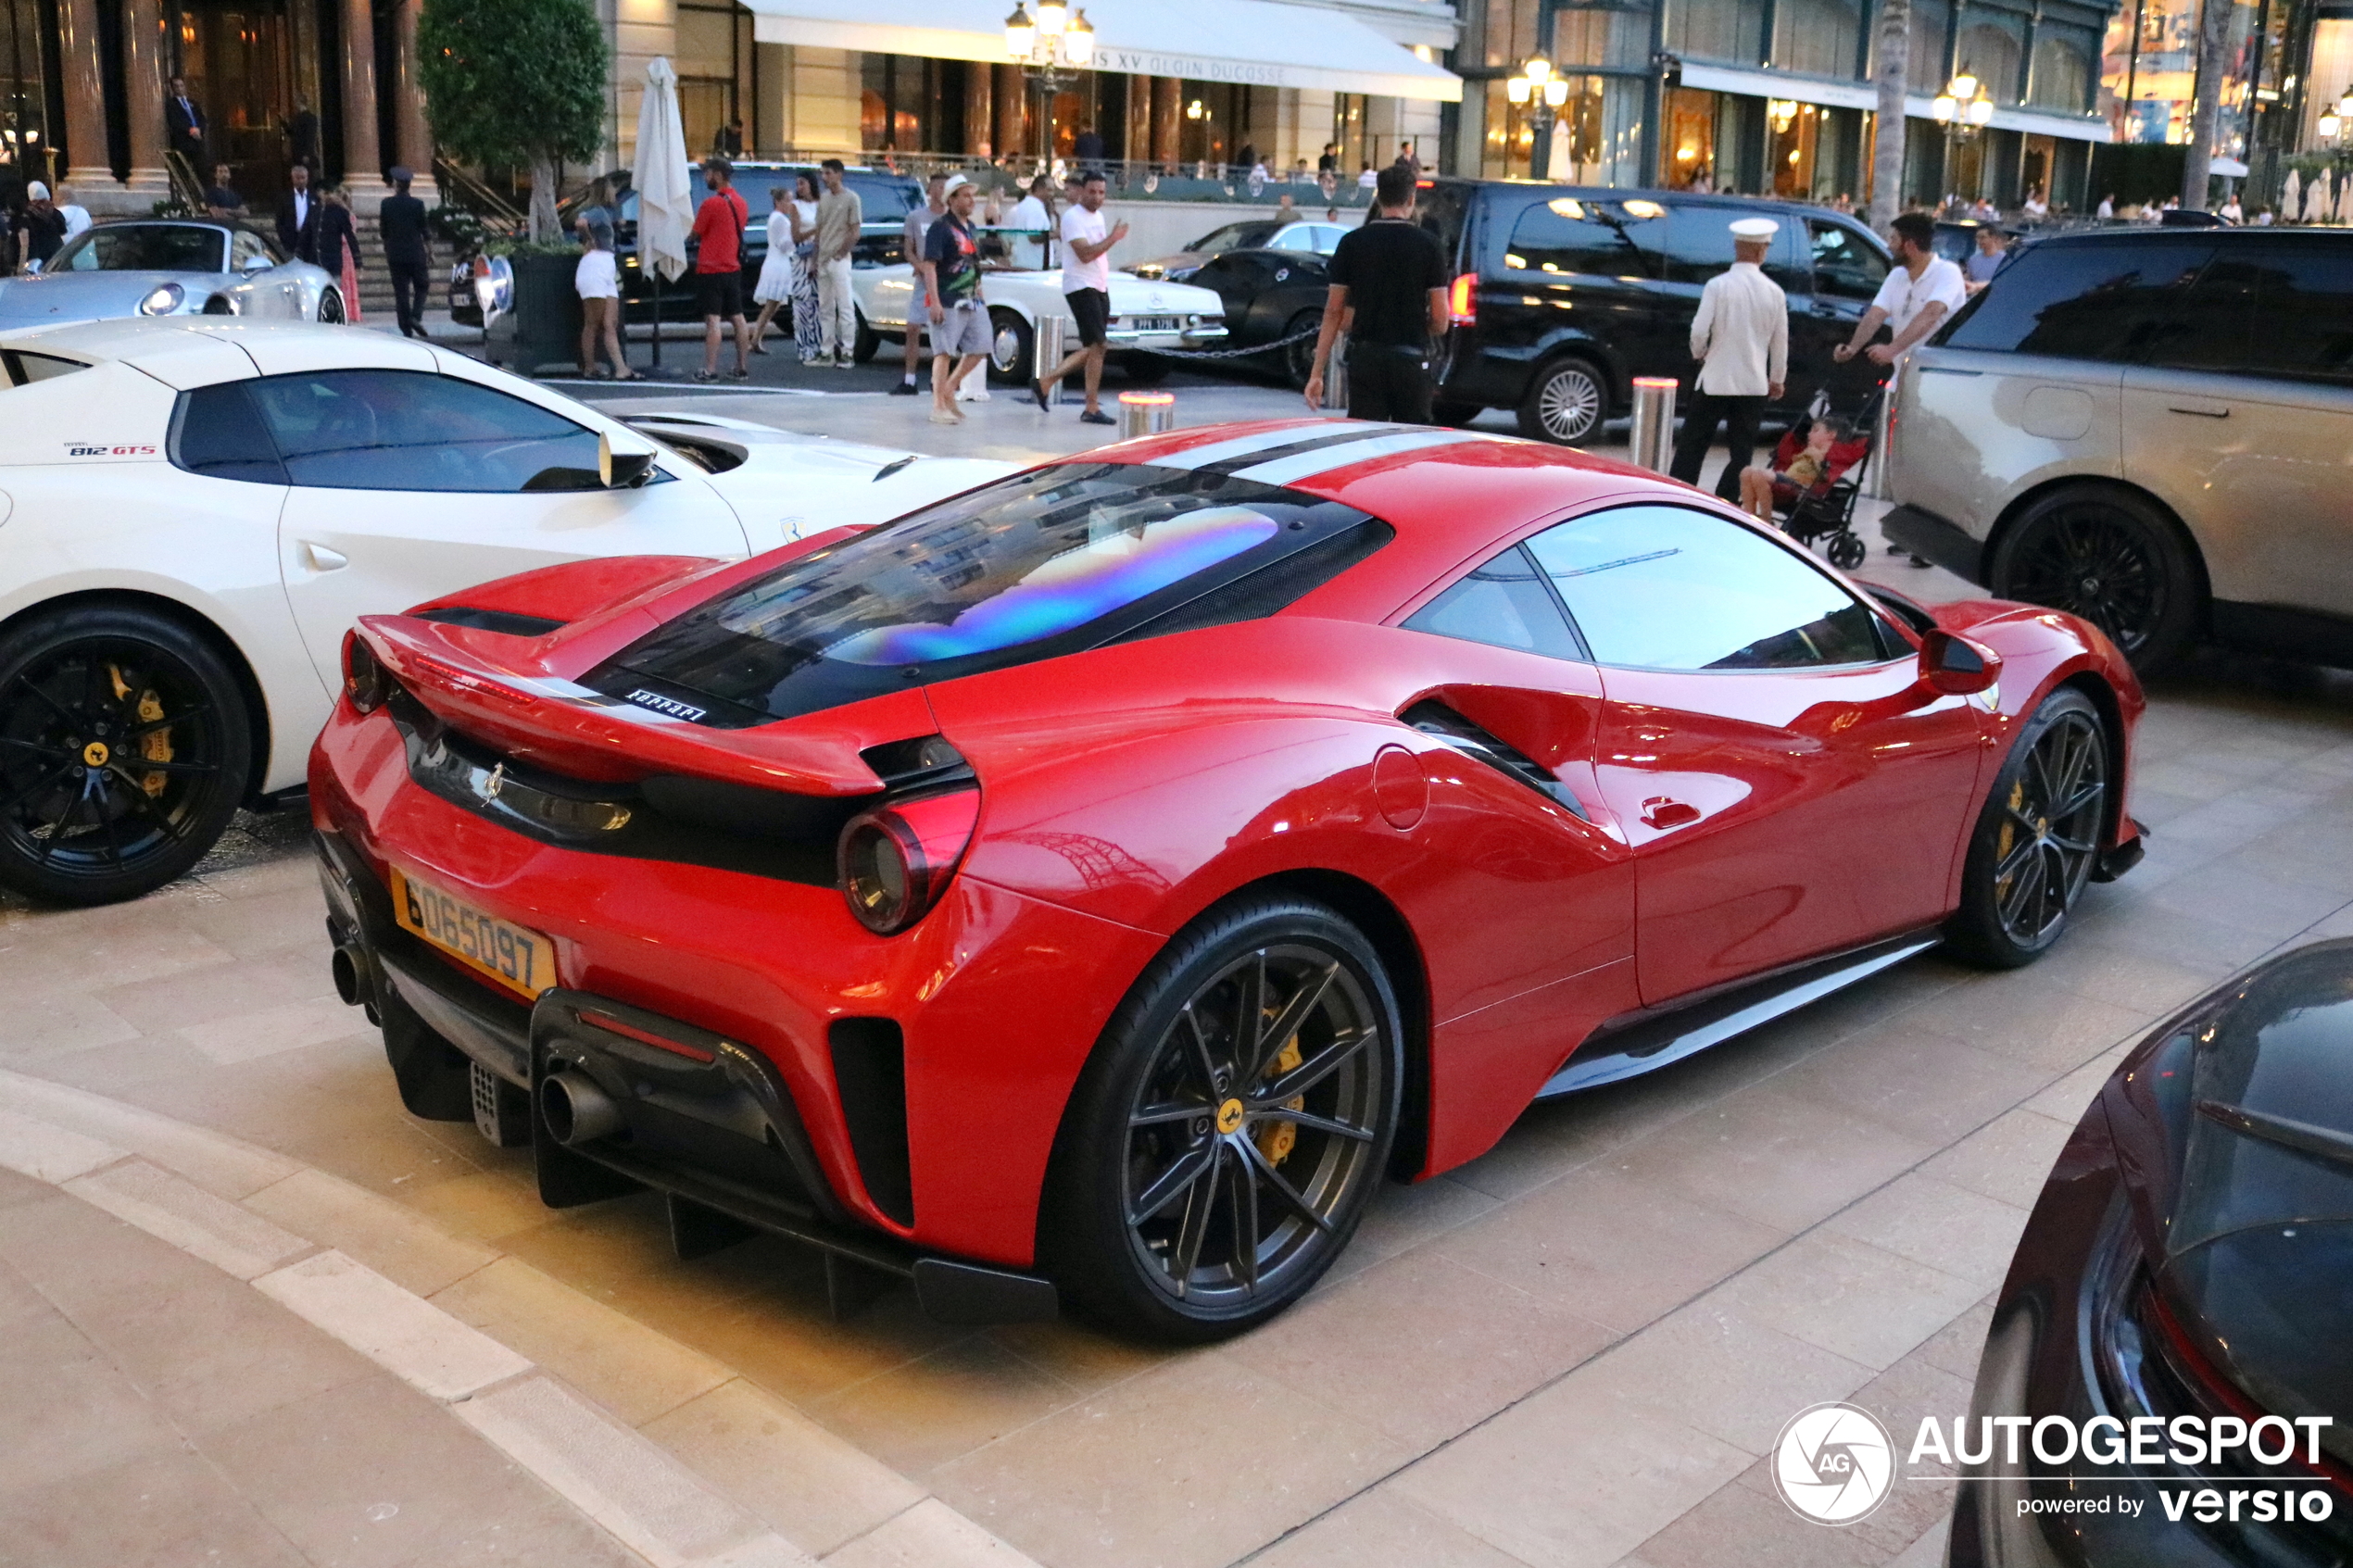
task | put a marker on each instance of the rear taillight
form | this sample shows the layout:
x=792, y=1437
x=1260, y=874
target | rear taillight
x=894, y=860
x=364, y=679
x=1462, y=300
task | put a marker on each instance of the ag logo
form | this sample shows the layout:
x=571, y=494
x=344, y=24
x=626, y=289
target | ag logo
x=1833, y=1463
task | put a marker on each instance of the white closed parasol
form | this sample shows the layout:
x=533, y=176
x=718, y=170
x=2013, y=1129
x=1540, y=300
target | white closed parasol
x=665, y=191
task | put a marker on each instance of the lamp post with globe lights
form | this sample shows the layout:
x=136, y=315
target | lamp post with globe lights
x=1053, y=50
x=1963, y=109
x=1541, y=91
x=2336, y=127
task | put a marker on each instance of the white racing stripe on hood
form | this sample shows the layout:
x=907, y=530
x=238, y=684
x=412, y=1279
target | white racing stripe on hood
x=1265, y=440
x=1286, y=470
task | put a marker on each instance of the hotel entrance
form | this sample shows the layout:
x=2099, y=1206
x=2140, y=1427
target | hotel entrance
x=244, y=64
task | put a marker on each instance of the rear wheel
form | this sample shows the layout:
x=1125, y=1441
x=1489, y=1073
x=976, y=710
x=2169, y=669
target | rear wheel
x=1566, y=403
x=330, y=307
x=1010, y=357
x=1233, y=1122
x=864, y=342
x=2113, y=558
x=2037, y=838
x=125, y=746
x=1299, y=358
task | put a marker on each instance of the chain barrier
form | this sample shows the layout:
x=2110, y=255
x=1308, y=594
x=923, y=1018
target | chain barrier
x=1235, y=353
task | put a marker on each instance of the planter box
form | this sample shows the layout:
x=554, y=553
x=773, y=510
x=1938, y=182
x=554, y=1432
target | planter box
x=544, y=327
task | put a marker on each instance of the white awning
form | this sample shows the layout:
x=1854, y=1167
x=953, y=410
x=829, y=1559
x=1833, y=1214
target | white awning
x=1863, y=95
x=1257, y=42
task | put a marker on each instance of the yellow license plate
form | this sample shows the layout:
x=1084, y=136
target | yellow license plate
x=515, y=956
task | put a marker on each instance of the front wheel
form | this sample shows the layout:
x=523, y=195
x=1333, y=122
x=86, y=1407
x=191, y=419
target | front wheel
x=1566, y=403
x=1298, y=357
x=125, y=748
x=1231, y=1125
x=2037, y=838
x=1010, y=357
x=864, y=342
x=330, y=307
x=2113, y=559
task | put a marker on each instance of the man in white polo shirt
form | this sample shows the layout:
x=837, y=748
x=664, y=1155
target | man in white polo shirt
x=1922, y=291
x=1087, y=289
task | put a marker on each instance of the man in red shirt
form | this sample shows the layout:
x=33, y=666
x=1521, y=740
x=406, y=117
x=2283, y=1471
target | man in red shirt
x=719, y=269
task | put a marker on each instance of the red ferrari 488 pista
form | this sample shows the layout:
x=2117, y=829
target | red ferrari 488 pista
x=1091, y=886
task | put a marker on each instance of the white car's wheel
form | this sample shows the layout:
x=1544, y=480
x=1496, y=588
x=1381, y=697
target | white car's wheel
x=1010, y=355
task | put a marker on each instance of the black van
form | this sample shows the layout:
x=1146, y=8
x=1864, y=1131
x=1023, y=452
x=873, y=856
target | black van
x=1563, y=293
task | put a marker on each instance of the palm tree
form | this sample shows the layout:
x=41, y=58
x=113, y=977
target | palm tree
x=2213, y=34
x=1887, y=148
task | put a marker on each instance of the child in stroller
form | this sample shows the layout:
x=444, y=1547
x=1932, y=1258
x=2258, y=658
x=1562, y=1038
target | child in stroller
x=1808, y=484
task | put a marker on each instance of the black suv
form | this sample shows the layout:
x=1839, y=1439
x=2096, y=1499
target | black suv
x=1562, y=294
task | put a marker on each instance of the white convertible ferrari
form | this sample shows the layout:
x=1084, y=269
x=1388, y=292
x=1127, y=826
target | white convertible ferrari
x=192, y=511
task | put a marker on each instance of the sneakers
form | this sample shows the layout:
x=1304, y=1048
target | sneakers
x=1096, y=417
x=904, y=389
x=843, y=361
x=740, y=373
x=704, y=375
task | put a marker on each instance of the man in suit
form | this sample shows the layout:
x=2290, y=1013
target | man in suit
x=298, y=218
x=183, y=124
x=402, y=221
x=302, y=135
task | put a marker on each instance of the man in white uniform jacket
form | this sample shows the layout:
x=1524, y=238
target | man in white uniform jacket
x=1741, y=338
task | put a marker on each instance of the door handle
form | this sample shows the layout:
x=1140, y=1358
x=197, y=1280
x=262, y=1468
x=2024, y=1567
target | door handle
x=2203, y=410
x=1659, y=811
x=322, y=559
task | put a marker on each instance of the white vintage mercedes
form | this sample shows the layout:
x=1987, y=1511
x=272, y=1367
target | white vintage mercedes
x=194, y=509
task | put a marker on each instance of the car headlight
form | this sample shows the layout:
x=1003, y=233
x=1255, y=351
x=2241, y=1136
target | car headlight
x=162, y=300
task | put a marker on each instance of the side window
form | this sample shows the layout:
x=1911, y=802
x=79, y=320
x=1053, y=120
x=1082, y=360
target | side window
x=1504, y=602
x=246, y=250
x=2081, y=302
x=1695, y=242
x=214, y=432
x=411, y=430
x=2311, y=285
x=1665, y=588
x=1844, y=267
x=1568, y=235
x=2214, y=327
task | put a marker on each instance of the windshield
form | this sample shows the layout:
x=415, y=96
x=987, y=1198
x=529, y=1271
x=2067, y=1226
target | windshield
x=1233, y=236
x=1034, y=566
x=145, y=247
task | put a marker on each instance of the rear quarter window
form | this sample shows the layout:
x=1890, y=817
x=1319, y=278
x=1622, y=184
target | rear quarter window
x=2106, y=302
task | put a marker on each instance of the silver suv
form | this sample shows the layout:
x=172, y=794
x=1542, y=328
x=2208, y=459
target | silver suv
x=2153, y=430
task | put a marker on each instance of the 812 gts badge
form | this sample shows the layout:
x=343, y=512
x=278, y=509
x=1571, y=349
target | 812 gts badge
x=104, y=449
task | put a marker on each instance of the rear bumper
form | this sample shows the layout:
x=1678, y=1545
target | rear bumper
x=1933, y=539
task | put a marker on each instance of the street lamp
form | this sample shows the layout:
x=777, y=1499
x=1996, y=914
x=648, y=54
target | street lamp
x=1051, y=49
x=1963, y=107
x=1542, y=90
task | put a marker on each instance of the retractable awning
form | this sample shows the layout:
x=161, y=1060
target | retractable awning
x=1257, y=42
x=1863, y=95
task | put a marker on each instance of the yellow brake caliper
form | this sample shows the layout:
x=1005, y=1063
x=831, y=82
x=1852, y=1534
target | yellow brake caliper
x=1275, y=1138
x=156, y=745
x=2009, y=835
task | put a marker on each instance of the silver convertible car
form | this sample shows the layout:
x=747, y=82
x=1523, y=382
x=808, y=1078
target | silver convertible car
x=170, y=266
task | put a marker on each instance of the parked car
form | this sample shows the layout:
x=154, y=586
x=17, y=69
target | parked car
x=2147, y=429
x=1145, y=317
x=1314, y=237
x=170, y=267
x=1270, y=296
x=1563, y=295
x=1092, y=885
x=2187, y=1273
x=197, y=508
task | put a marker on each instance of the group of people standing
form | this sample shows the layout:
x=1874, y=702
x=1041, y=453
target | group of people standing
x=34, y=225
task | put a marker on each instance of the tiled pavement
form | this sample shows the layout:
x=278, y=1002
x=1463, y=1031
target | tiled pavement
x=1572, y=1351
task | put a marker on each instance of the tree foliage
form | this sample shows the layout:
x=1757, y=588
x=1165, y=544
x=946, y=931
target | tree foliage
x=514, y=82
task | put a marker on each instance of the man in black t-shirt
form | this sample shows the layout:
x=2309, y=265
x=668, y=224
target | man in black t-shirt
x=1388, y=292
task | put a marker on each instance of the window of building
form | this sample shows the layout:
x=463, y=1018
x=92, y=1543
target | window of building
x=1931, y=27
x=1817, y=37
x=706, y=64
x=2062, y=77
x=1725, y=29
x=1991, y=47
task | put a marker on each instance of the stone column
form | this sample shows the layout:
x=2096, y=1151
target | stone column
x=416, y=136
x=979, y=88
x=90, y=172
x=362, y=162
x=1168, y=118
x=142, y=90
x=1013, y=104
x=1136, y=146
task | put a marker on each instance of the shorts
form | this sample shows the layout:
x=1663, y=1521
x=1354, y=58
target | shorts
x=719, y=293
x=966, y=330
x=597, y=276
x=1091, y=309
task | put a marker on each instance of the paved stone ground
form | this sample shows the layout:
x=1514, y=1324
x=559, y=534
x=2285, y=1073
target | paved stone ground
x=1572, y=1351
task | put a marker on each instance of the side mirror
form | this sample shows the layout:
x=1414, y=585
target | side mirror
x=1954, y=666
x=33, y=269
x=621, y=469
x=256, y=264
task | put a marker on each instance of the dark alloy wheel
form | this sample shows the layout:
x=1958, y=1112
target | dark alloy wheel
x=2113, y=558
x=1231, y=1126
x=2038, y=837
x=1299, y=358
x=331, y=307
x=1566, y=403
x=125, y=750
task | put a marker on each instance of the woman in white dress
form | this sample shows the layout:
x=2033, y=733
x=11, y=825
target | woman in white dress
x=776, y=274
x=787, y=278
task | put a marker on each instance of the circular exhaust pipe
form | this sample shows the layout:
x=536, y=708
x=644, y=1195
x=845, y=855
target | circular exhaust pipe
x=577, y=1110
x=354, y=974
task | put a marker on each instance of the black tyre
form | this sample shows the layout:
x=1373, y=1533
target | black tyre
x=2037, y=838
x=1846, y=551
x=1233, y=1122
x=2111, y=557
x=330, y=307
x=864, y=343
x=1566, y=403
x=1145, y=369
x=1299, y=358
x=1455, y=415
x=125, y=748
x=1010, y=356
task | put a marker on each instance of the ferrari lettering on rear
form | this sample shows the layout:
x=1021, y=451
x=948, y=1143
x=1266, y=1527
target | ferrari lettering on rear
x=671, y=706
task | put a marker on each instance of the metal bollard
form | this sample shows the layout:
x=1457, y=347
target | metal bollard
x=1145, y=413
x=1653, y=435
x=1046, y=355
x=1336, y=375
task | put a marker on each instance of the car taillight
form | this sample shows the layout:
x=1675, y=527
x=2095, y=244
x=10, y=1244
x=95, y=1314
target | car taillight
x=364, y=679
x=1462, y=300
x=894, y=860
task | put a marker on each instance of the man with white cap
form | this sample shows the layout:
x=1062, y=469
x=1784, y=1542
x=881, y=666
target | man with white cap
x=41, y=228
x=1741, y=338
x=959, y=329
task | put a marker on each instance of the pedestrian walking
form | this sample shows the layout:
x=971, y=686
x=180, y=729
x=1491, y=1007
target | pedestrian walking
x=717, y=235
x=1086, y=245
x=838, y=217
x=919, y=222
x=1388, y=293
x=339, y=246
x=1922, y=289
x=183, y=123
x=1741, y=338
x=221, y=199
x=780, y=269
x=408, y=252
x=41, y=228
x=298, y=217
x=959, y=332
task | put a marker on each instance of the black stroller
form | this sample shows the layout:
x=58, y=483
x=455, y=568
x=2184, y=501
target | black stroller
x=1825, y=511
